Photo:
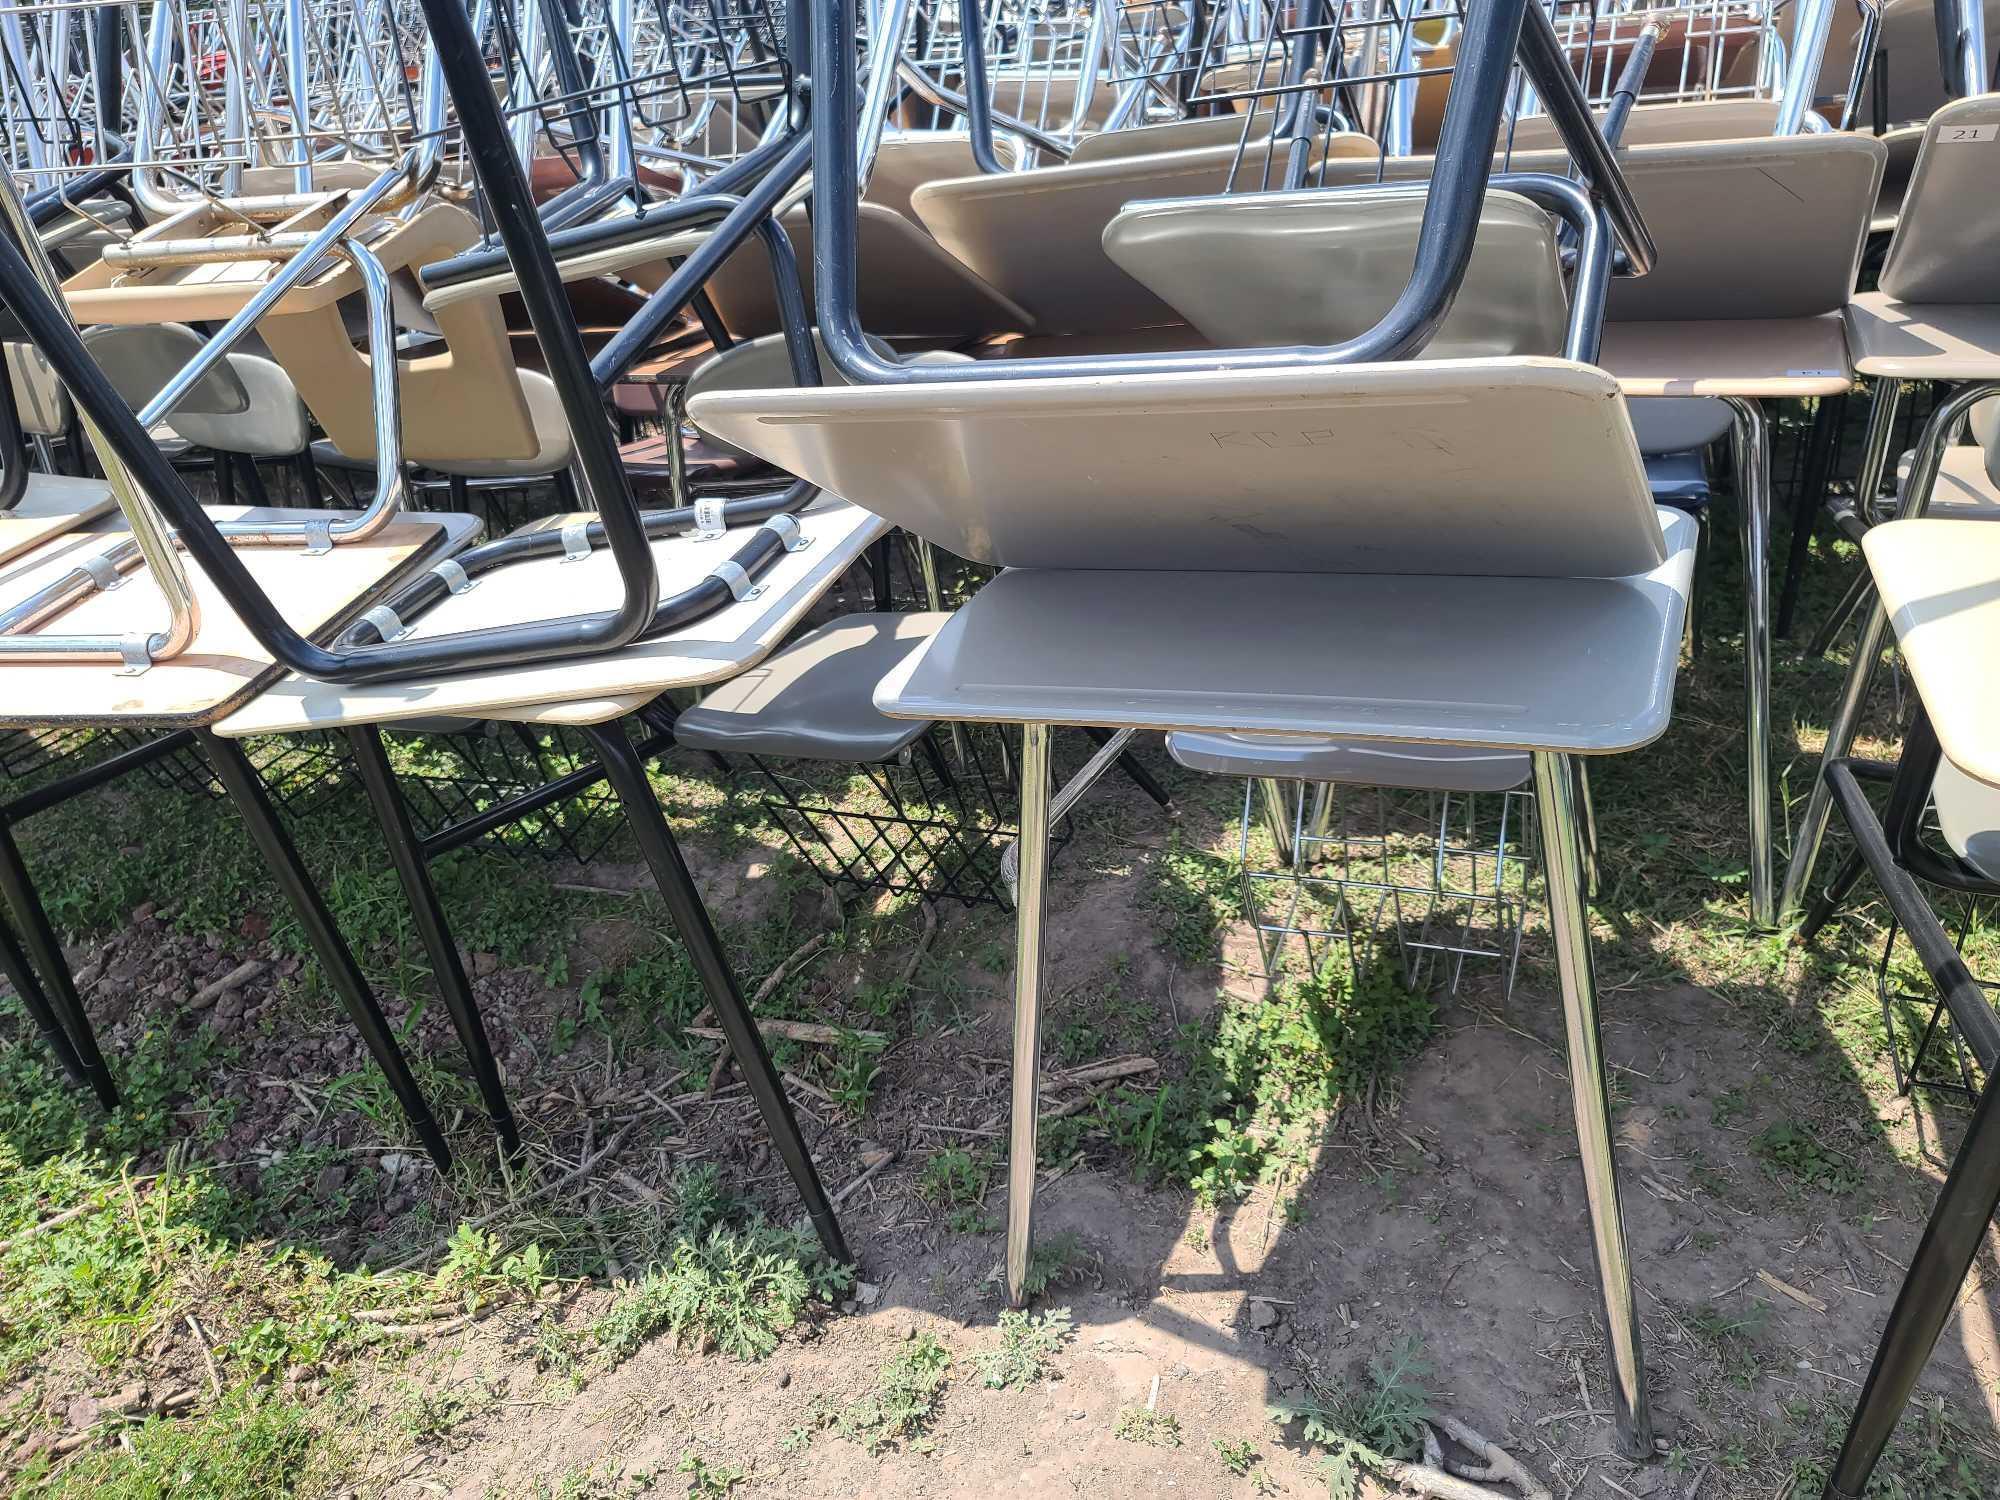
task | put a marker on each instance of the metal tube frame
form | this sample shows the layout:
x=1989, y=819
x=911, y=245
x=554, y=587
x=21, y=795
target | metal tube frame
x=1751, y=444
x=1915, y=501
x=1560, y=819
x=690, y=917
x=1030, y=952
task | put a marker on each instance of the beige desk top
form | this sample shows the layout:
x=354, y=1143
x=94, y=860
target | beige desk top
x=592, y=689
x=51, y=505
x=1930, y=341
x=1940, y=582
x=224, y=666
x=1766, y=358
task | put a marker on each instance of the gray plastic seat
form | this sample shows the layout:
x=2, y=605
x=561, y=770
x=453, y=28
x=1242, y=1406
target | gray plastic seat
x=1675, y=424
x=815, y=700
x=1267, y=270
x=1311, y=757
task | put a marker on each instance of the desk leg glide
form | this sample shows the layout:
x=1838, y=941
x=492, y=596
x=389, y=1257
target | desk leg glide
x=336, y=959
x=1569, y=923
x=676, y=885
x=406, y=852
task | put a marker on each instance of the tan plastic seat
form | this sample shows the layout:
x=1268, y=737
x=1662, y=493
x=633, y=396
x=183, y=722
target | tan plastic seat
x=1514, y=467
x=1944, y=246
x=1665, y=125
x=1262, y=270
x=1037, y=237
x=765, y=364
x=464, y=405
x=39, y=398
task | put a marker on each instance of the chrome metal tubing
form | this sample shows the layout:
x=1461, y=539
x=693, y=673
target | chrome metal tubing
x=1569, y=925
x=1915, y=500
x=149, y=530
x=1030, y=911
x=1752, y=443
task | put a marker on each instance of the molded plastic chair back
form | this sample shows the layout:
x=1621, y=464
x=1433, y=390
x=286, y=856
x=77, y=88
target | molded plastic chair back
x=1945, y=245
x=1266, y=270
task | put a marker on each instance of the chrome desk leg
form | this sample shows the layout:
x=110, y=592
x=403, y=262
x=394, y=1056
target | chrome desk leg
x=1030, y=907
x=1753, y=506
x=1277, y=817
x=1569, y=922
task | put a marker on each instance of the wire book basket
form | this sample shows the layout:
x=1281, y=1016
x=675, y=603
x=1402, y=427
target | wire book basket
x=1440, y=879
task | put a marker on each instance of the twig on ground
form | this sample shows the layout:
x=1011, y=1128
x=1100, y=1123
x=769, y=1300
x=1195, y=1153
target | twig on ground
x=1103, y=1072
x=867, y=1175
x=1785, y=1288
x=1422, y=1479
x=786, y=969
x=54, y=1221
x=236, y=978
x=576, y=1173
x=794, y=1031
x=430, y=1327
x=1500, y=1464
x=207, y=1355
x=923, y=946
x=1694, y=1484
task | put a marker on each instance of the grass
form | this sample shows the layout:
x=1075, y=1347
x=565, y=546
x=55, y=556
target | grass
x=1258, y=1082
x=1027, y=1349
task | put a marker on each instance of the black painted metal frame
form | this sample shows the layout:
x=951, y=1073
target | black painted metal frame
x=1890, y=848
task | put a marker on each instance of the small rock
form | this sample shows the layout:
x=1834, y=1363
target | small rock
x=847, y=1306
x=484, y=964
x=32, y=1449
x=83, y=1413
x=88, y=975
x=144, y=912
x=130, y=1399
x=867, y=1293
x=907, y=1331
x=785, y=1380
x=1284, y=1335
x=1078, y=1414
x=1262, y=1314
x=331, y=1180
x=393, y=1163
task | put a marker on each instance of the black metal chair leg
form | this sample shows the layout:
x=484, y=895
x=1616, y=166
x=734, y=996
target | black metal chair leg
x=1829, y=900
x=253, y=805
x=878, y=573
x=225, y=479
x=21, y=975
x=1137, y=774
x=253, y=480
x=1930, y=1291
x=406, y=852
x=1820, y=444
x=38, y=936
x=1704, y=551
x=1830, y=628
x=684, y=905
x=308, y=468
